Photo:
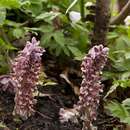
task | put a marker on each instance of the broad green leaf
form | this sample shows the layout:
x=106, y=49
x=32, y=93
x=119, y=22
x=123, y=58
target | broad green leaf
x=36, y=8
x=118, y=110
x=76, y=52
x=46, y=38
x=71, y=5
x=59, y=38
x=112, y=35
x=120, y=44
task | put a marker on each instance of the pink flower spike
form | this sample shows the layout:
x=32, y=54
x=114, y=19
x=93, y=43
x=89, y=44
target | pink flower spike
x=26, y=68
x=91, y=87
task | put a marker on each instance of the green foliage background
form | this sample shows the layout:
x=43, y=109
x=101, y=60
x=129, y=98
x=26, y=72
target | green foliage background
x=49, y=21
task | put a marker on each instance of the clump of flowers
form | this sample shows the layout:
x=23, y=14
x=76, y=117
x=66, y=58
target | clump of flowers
x=25, y=72
x=91, y=86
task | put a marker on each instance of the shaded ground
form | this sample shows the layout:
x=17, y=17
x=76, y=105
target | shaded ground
x=46, y=117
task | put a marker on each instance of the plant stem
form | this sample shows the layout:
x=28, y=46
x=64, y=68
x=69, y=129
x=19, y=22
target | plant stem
x=82, y=9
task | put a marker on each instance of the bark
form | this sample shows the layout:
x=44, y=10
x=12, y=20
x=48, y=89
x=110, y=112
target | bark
x=101, y=22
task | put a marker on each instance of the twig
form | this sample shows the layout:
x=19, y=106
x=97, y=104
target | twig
x=122, y=15
x=44, y=116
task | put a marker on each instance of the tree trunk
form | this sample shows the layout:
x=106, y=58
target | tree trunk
x=101, y=22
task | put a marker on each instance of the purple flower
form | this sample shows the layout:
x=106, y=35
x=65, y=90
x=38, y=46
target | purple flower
x=90, y=89
x=91, y=86
x=26, y=68
x=7, y=84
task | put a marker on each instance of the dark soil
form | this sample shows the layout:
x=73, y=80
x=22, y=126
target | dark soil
x=45, y=118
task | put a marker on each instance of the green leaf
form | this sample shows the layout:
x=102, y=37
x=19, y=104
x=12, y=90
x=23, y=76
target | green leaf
x=124, y=83
x=10, y=4
x=6, y=46
x=126, y=40
x=127, y=55
x=127, y=120
x=58, y=50
x=36, y=8
x=109, y=75
x=45, y=39
x=25, y=4
x=2, y=15
x=76, y=52
x=118, y=110
x=47, y=16
x=18, y=32
x=66, y=51
x=112, y=35
x=2, y=43
x=126, y=102
x=12, y=23
x=71, y=5
x=79, y=27
x=125, y=75
x=10, y=47
x=59, y=38
x=46, y=28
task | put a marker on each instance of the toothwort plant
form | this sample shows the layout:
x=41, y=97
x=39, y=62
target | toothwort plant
x=90, y=89
x=91, y=86
x=25, y=72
